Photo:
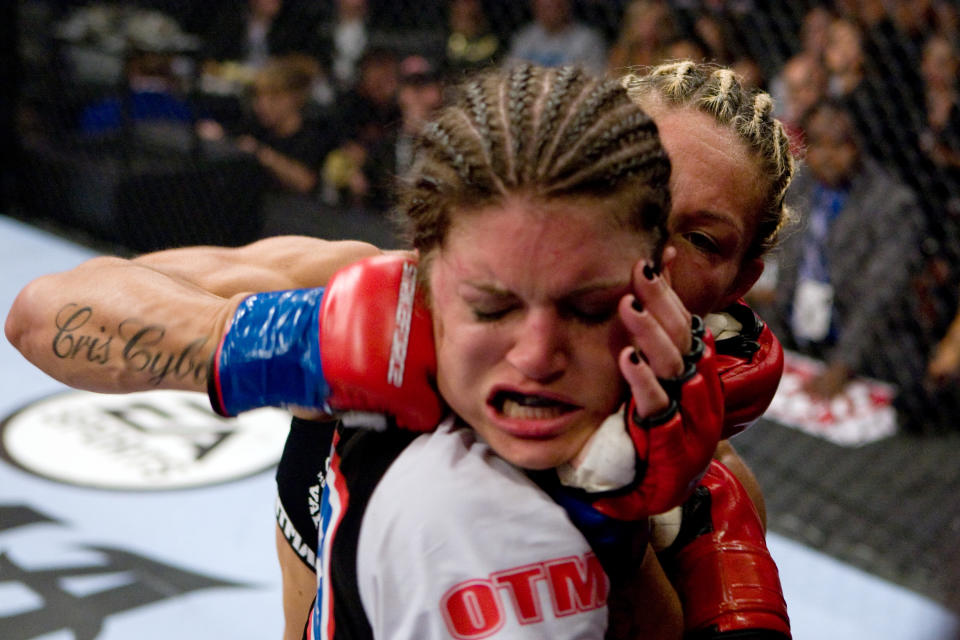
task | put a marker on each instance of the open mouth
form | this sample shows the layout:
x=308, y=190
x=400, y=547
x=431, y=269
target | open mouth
x=523, y=406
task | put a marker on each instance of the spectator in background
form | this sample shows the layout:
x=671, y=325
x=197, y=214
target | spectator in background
x=419, y=94
x=815, y=30
x=555, y=38
x=844, y=57
x=749, y=72
x=843, y=281
x=803, y=86
x=687, y=47
x=472, y=43
x=941, y=136
x=714, y=31
x=813, y=37
x=284, y=141
x=648, y=30
x=342, y=40
x=866, y=90
x=365, y=115
x=253, y=31
x=367, y=110
x=151, y=94
x=893, y=40
x=936, y=286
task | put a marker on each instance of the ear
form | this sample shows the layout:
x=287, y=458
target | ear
x=750, y=272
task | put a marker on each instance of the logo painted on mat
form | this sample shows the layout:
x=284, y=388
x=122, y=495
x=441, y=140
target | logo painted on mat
x=80, y=597
x=140, y=441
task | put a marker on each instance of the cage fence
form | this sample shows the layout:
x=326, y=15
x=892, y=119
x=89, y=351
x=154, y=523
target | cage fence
x=137, y=125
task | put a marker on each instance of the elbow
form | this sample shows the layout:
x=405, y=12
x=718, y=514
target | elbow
x=21, y=321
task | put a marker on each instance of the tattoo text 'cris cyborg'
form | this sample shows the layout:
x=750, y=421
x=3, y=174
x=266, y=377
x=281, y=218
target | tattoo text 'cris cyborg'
x=136, y=342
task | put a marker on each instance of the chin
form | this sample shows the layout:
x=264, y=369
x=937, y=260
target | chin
x=533, y=455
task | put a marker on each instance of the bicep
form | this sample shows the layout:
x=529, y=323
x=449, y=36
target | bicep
x=282, y=262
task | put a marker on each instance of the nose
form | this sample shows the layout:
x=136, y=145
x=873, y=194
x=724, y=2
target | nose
x=539, y=349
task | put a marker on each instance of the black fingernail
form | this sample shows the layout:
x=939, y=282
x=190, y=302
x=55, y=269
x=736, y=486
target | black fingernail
x=637, y=305
x=649, y=272
x=634, y=358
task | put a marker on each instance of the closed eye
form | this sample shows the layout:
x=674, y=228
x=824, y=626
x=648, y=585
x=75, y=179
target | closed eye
x=591, y=315
x=483, y=315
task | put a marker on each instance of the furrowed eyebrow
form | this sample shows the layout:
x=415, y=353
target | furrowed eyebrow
x=596, y=287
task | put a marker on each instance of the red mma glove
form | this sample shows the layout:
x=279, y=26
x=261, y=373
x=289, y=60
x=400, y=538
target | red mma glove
x=719, y=563
x=750, y=363
x=673, y=447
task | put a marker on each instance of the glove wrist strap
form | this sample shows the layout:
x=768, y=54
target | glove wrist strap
x=270, y=355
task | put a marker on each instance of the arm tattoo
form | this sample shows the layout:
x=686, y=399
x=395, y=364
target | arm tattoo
x=137, y=342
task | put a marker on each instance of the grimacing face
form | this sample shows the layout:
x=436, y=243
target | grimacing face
x=524, y=298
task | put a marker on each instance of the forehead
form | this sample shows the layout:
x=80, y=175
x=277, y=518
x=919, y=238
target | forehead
x=565, y=235
x=712, y=170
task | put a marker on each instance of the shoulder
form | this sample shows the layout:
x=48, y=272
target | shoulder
x=451, y=466
x=885, y=190
x=449, y=523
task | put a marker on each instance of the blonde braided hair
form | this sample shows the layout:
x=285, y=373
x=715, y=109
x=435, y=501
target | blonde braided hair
x=717, y=91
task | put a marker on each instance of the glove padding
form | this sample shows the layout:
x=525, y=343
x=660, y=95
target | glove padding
x=718, y=561
x=674, y=447
x=363, y=344
x=750, y=363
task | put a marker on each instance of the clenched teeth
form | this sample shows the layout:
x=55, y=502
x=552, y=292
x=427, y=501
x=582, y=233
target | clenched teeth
x=529, y=407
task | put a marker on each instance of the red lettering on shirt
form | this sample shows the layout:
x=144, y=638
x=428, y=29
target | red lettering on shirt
x=472, y=610
x=475, y=609
x=520, y=583
x=577, y=584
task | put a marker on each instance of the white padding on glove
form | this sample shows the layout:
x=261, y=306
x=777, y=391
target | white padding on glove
x=722, y=325
x=665, y=527
x=606, y=462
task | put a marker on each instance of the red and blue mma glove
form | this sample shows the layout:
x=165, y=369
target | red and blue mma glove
x=361, y=346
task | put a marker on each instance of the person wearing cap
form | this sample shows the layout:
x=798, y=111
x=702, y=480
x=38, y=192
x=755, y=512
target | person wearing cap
x=419, y=93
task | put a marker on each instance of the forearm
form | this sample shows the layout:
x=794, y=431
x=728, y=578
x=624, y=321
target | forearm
x=111, y=325
x=952, y=339
x=646, y=606
x=944, y=361
x=731, y=459
x=292, y=173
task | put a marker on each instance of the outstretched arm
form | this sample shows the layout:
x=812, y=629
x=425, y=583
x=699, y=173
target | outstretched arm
x=281, y=262
x=112, y=325
x=116, y=325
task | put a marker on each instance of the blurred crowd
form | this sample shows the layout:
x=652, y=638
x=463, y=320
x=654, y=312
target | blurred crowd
x=326, y=97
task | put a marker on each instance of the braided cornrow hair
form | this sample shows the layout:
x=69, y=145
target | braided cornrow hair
x=716, y=90
x=540, y=132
